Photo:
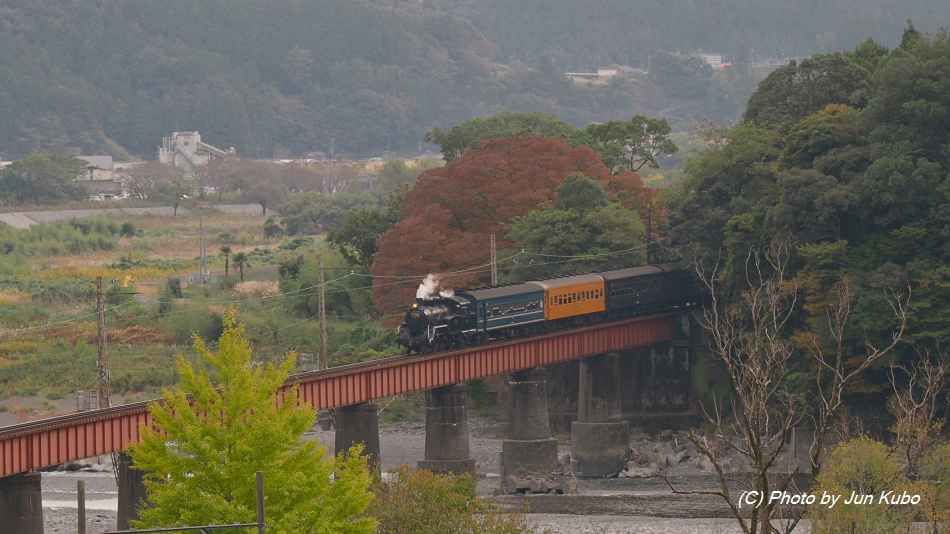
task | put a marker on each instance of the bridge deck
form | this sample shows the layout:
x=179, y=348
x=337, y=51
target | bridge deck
x=38, y=444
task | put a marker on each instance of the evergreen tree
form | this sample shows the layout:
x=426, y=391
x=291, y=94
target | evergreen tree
x=222, y=425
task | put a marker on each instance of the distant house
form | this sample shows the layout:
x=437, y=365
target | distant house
x=100, y=177
x=98, y=167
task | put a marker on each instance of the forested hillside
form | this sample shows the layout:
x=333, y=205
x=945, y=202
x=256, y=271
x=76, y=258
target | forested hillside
x=263, y=77
x=578, y=34
x=286, y=78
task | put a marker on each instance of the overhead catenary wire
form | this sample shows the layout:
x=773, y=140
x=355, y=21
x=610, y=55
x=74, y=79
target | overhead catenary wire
x=399, y=280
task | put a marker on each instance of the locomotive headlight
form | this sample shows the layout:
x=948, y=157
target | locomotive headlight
x=416, y=305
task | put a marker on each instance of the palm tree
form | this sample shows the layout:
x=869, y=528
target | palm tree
x=226, y=252
x=241, y=262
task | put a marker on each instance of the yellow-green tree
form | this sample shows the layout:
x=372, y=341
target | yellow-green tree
x=862, y=467
x=228, y=420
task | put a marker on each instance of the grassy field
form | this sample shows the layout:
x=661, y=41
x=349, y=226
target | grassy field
x=47, y=306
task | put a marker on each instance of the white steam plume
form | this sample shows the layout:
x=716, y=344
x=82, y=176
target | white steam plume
x=428, y=287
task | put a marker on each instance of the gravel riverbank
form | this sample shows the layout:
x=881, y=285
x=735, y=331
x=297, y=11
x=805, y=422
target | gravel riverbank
x=604, y=506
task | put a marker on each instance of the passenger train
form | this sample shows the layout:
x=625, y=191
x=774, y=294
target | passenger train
x=475, y=316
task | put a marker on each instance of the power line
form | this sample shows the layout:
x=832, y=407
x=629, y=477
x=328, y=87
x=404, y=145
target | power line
x=402, y=279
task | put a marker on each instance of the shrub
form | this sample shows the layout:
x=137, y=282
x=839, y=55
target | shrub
x=184, y=325
x=128, y=229
x=53, y=291
x=271, y=228
x=424, y=502
x=298, y=242
x=227, y=283
x=865, y=467
x=935, y=476
x=117, y=295
x=174, y=286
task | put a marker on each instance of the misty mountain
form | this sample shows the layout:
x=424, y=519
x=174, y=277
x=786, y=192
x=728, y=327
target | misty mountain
x=287, y=77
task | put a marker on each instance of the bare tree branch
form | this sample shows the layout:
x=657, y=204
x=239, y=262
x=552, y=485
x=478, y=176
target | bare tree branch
x=836, y=371
x=916, y=406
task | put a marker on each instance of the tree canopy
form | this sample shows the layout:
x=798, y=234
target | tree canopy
x=862, y=190
x=44, y=179
x=794, y=91
x=201, y=453
x=451, y=213
x=632, y=144
x=357, y=235
x=582, y=223
x=471, y=133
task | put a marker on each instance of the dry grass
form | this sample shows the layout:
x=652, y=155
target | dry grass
x=14, y=297
x=255, y=289
x=167, y=238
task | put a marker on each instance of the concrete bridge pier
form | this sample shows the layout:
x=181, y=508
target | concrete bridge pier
x=447, y=446
x=132, y=493
x=358, y=424
x=529, y=444
x=600, y=438
x=21, y=504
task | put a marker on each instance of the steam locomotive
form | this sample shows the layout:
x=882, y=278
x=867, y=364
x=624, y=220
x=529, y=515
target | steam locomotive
x=471, y=317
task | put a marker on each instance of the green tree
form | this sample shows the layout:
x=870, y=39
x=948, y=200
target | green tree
x=868, y=55
x=225, y=422
x=171, y=192
x=396, y=174
x=582, y=222
x=719, y=208
x=471, y=133
x=631, y=145
x=241, y=262
x=356, y=237
x=45, y=178
x=260, y=183
x=313, y=213
x=226, y=252
x=794, y=91
x=349, y=297
x=681, y=76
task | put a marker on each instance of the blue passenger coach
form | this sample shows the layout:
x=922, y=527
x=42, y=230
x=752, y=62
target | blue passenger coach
x=506, y=307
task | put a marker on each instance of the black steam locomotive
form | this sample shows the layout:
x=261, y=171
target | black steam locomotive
x=476, y=316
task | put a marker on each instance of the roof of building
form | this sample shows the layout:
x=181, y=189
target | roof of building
x=101, y=162
x=631, y=70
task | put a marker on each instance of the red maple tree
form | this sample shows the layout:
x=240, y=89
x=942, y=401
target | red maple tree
x=452, y=211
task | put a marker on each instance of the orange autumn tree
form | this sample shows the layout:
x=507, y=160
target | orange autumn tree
x=452, y=211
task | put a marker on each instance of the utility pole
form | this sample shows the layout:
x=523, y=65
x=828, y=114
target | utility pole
x=649, y=231
x=105, y=384
x=331, y=149
x=202, y=264
x=203, y=276
x=321, y=299
x=494, y=262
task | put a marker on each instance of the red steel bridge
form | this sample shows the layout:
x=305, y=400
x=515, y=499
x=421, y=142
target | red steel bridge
x=38, y=444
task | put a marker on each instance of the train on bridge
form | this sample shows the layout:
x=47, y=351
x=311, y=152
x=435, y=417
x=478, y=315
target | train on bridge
x=476, y=316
